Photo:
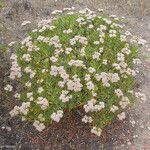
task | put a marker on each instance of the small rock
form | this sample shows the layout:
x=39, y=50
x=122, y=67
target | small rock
x=12, y=43
x=135, y=136
x=141, y=41
x=8, y=128
x=142, y=126
x=133, y=122
x=2, y=127
x=148, y=128
x=25, y=22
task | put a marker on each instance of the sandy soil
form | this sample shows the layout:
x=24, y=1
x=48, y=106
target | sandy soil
x=70, y=133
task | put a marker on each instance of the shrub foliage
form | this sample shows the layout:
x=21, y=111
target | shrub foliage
x=75, y=59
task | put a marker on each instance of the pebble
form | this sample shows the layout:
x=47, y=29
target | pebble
x=8, y=128
x=133, y=122
x=142, y=126
x=2, y=127
x=122, y=145
x=148, y=128
x=135, y=136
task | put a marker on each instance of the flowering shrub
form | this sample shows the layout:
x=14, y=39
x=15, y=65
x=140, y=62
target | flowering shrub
x=78, y=59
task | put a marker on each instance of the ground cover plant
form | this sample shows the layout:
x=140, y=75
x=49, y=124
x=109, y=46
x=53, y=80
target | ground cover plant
x=73, y=60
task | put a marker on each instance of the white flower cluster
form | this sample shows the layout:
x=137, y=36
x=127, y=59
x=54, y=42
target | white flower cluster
x=108, y=21
x=47, y=27
x=44, y=22
x=120, y=57
x=59, y=71
x=106, y=77
x=90, y=85
x=8, y=87
x=30, y=47
x=96, y=43
x=80, y=20
x=124, y=102
x=91, y=106
x=114, y=25
x=17, y=95
x=26, y=57
x=96, y=55
x=64, y=96
x=57, y=116
x=67, y=31
x=77, y=63
x=41, y=117
x=123, y=38
x=105, y=62
x=121, y=116
x=28, y=84
x=91, y=26
x=53, y=59
x=87, y=77
x=96, y=131
x=74, y=85
x=126, y=51
x=40, y=90
x=114, y=108
x=102, y=30
x=122, y=65
x=112, y=33
x=15, y=70
x=23, y=109
x=43, y=102
x=87, y=119
x=14, y=111
x=81, y=39
x=30, y=71
x=38, y=125
x=91, y=70
x=54, y=71
x=50, y=41
x=26, y=40
x=68, y=50
x=30, y=96
x=118, y=92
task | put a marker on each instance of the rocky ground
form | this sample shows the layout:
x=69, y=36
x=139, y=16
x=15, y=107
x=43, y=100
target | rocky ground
x=70, y=133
